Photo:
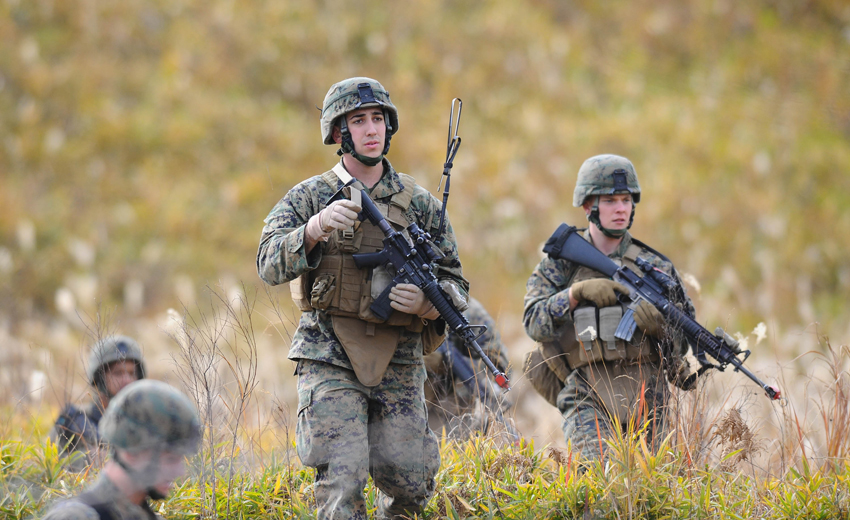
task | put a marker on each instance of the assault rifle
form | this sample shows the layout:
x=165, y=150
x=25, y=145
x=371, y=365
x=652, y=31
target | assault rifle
x=411, y=263
x=654, y=287
x=463, y=371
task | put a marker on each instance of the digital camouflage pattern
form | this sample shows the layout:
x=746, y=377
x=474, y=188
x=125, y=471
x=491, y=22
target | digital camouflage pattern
x=101, y=495
x=112, y=349
x=345, y=429
x=348, y=431
x=595, y=178
x=343, y=97
x=76, y=430
x=452, y=404
x=281, y=259
x=151, y=414
x=546, y=312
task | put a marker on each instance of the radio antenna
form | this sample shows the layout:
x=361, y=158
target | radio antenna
x=452, y=144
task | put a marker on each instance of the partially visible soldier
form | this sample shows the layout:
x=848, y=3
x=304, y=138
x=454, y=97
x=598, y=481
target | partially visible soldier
x=114, y=362
x=455, y=403
x=601, y=384
x=150, y=428
x=361, y=379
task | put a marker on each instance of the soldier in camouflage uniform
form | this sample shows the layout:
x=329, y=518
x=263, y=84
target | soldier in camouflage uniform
x=114, y=362
x=361, y=404
x=599, y=383
x=455, y=404
x=150, y=428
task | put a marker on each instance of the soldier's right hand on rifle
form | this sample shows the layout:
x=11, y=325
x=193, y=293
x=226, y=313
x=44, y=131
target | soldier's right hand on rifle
x=599, y=291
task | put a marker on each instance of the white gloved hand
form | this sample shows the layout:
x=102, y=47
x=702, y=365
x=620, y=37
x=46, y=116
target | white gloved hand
x=341, y=214
x=408, y=298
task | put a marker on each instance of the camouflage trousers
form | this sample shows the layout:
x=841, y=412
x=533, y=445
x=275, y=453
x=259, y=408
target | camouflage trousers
x=348, y=431
x=602, y=400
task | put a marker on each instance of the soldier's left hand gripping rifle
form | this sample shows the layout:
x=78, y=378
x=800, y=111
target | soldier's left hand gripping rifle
x=654, y=287
x=411, y=262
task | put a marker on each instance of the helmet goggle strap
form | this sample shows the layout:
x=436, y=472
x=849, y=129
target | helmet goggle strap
x=366, y=94
x=145, y=475
x=593, y=218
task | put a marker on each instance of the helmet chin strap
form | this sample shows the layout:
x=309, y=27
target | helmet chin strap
x=593, y=218
x=347, y=145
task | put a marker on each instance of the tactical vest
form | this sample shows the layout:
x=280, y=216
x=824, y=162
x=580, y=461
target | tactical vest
x=338, y=288
x=590, y=339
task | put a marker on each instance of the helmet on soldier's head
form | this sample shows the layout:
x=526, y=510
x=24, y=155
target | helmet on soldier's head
x=353, y=94
x=151, y=414
x=605, y=175
x=109, y=350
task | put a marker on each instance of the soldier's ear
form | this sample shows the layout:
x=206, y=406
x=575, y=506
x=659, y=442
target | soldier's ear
x=336, y=134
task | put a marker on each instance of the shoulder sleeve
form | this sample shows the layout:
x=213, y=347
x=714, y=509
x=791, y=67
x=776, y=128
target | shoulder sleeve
x=281, y=256
x=547, y=302
x=71, y=510
x=69, y=426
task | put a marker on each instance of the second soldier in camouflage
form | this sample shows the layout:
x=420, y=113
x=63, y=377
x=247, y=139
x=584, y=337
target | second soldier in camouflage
x=601, y=384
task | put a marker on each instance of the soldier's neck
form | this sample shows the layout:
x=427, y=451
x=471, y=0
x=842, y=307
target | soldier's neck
x=368, y=175
x=603, y=242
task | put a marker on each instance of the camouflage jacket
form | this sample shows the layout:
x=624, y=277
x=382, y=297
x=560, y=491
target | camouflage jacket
x=281, y=258
x=76, y=430
x=547, y=301
x=101, y=499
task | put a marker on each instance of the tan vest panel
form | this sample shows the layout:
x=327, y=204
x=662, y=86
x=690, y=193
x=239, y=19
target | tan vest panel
x=590, y=338
x=337, y=286
x=345, y=292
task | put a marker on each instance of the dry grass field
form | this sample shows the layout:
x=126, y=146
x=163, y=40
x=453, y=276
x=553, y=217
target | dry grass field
x=143, y=142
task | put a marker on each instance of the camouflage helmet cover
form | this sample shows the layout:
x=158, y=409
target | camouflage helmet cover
x=111, y=349
x=604, y=175
x=344, y=97
x=148, y=414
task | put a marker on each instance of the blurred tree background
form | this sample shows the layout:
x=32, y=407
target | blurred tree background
x=142, y=142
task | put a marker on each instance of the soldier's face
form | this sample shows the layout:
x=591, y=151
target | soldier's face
x=614, y=210
x=159, y=469
x=368, y=131
x=171, y=467
x=119, y=375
